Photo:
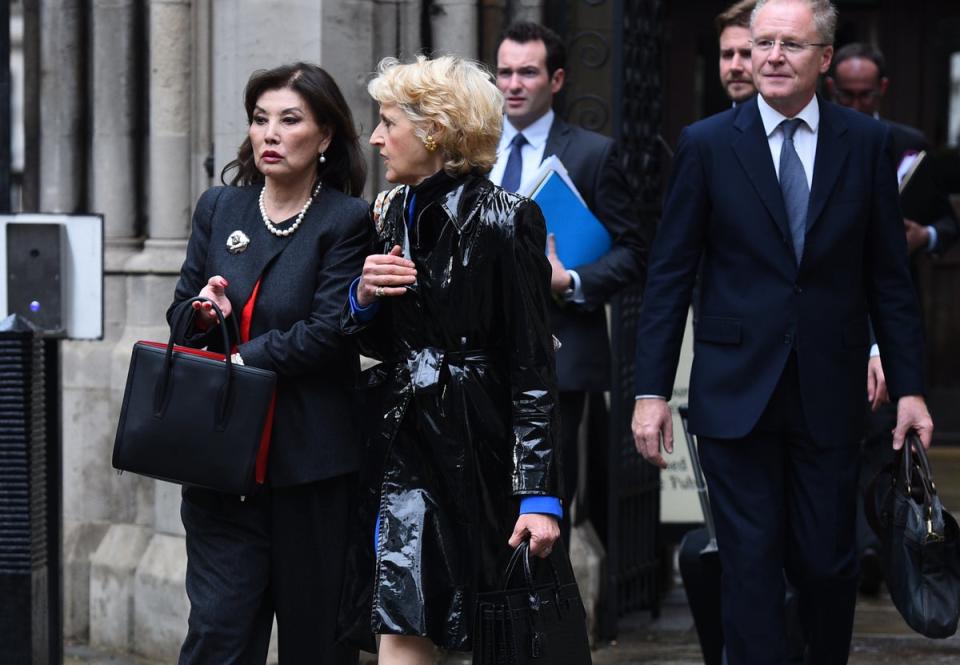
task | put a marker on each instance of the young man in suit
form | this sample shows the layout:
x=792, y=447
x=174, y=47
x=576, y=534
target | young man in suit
x=859, y=82
x=530, y=62
x=736, y=68
x=791, y=202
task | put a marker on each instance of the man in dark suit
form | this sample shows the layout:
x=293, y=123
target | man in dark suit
x=859, y=82
x=530, y=61
x=792, y=204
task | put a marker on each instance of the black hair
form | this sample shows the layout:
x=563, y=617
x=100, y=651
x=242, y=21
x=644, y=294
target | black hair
x=860, y=50
x=344, y=168
x=528, y=31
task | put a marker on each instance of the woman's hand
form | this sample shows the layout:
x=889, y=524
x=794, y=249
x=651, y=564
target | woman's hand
x=214, y=290
x=543, y=531
x=385, y=275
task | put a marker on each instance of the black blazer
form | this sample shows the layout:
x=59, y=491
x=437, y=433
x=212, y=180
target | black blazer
x=583, y=362
x=295, y=328
x=939, y=213
x=756, y=304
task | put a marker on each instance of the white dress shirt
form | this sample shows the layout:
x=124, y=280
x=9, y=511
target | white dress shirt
x=804, y=140
x=532, y=152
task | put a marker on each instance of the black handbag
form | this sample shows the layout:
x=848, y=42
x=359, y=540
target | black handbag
x=920, y=542
x=534, y=622
x=194, y=417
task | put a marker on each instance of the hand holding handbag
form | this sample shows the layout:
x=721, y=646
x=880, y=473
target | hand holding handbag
x=194, y=417
x=920, y=542
x=539, y=623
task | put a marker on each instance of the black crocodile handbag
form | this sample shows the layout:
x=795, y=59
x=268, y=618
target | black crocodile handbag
x=194, y=417
x=532, y=621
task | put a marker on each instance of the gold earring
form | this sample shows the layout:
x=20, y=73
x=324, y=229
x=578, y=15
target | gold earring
x=429, y=143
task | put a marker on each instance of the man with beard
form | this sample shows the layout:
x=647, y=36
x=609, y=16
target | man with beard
x=736, y=70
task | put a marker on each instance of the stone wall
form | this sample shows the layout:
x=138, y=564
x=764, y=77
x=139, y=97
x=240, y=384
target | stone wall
x=134, y=99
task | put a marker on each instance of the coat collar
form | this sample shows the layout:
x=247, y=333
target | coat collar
x=832, y=150
x=462, y=202
x=557, y=139
x=752, y=149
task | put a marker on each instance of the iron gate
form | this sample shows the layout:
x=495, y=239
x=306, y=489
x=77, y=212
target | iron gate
x=614, y=87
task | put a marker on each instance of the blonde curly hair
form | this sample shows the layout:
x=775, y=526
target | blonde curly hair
x=454, y=94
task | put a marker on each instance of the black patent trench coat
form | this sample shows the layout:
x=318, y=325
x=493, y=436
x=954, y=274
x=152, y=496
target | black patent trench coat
x=466, y=425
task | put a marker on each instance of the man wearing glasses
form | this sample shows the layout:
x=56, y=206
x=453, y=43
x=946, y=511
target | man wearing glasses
x=791, y=202
x=859, y=82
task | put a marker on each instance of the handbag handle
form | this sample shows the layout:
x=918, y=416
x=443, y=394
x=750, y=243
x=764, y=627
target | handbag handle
x=522, y=554
x=911, y=457
x=184, y=317
x=921, y=464
x=913, y=446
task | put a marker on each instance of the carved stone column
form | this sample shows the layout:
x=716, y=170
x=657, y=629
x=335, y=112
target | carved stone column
x=113, y=153
x=61, y=135
x=170, y=38
x=454, y=24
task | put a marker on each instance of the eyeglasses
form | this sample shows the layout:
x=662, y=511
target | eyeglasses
x=786, y=45
x=850, y=96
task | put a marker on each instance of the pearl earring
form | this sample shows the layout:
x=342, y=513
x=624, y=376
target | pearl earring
x=322, y=158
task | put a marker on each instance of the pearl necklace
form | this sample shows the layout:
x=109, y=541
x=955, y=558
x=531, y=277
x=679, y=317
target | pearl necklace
x=283, y=233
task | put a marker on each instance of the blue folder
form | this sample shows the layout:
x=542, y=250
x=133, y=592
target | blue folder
x=580, y=236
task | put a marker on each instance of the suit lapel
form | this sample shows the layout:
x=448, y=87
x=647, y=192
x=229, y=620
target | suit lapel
x=557, y=139
x=832, y=149
x=752, y=149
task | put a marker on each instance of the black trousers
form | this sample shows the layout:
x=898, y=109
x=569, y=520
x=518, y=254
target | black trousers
x=279, y=552
x=875, y=453
x=784, y=502
x=593, y=506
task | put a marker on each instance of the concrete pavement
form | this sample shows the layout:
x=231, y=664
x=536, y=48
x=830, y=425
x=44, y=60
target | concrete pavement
x=880, y=638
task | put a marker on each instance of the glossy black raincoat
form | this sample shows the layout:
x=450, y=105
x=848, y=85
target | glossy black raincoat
x=465, y=427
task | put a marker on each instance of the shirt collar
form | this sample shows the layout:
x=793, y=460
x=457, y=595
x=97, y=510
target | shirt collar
x=810, y=114
x=536, y=133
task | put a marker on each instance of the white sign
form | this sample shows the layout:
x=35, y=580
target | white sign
x=679, y=502
x=82, y=272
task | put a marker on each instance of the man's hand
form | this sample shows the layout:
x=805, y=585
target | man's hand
x=651, y=419
x=559, y=278
x=876, y=384
x=542, y=530
x=918, y=235
x=912, y=414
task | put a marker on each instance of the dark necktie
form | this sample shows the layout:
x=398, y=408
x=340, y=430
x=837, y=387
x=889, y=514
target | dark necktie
x=511, y=174
x=793, y=184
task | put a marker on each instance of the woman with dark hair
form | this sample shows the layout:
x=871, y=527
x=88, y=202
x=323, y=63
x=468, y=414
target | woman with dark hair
x=276, y=250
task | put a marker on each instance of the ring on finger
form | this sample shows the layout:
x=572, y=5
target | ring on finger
x=378, y=292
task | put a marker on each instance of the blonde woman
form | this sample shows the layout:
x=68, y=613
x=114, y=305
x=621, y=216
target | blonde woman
x=463, y=465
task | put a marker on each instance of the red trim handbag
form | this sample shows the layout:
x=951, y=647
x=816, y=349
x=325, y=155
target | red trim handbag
x=194, y=417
